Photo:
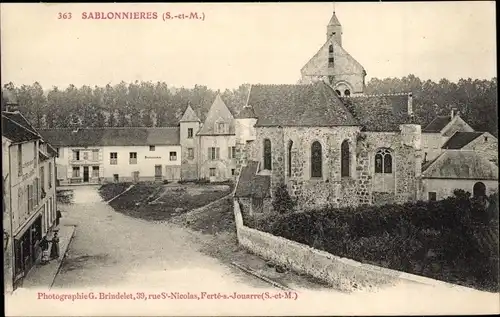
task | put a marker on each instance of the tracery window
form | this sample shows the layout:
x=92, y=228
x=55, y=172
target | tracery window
x=383, y=161
x=316, y=160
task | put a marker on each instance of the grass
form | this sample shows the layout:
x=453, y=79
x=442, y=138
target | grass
x=159, y=202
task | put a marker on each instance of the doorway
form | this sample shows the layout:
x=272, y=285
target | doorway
x=136, y=176
x=158, y=174
x=85, y=174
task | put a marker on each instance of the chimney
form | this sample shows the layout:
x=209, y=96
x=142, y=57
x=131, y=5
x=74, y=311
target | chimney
x=452, y=115
x=410, y=104
x=11, y=104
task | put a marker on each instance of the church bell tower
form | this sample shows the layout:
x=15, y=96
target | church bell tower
x=334, y=29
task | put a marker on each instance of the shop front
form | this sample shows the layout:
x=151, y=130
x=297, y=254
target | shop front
x=26, y=248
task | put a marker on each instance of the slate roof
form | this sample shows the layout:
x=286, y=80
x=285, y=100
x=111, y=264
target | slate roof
x=379, y=113
x=252, y=185
x=112, y=136
x=16, y=132
x=20, y=119
x=454, y=164
x=218, y=111
x=334, y=20
x=189, y=116
x=461, y=139
x=437, y=124
x=246, y=113
x=314, y=105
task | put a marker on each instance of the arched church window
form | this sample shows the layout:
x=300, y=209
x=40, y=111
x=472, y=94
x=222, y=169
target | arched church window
x=383, y=162
x=330, y=48
x=316, y=160
x=338, y=92
x=290, y=144
x=345, y=164
x=267, y=154
x=347, y=92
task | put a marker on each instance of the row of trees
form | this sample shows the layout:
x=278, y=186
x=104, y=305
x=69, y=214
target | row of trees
x=157, y=104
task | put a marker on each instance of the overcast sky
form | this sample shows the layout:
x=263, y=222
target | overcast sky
x=243, y=43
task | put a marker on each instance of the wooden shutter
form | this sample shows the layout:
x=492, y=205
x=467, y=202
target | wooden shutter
x=229, y=153
x=217, y=152
x=209, y=153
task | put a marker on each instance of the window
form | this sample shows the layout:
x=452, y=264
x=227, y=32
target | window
x=347, y=92
x=213, y=153
x=190, y=133
x=232, y=171
x=19, y=159
x=267, y=154
x=231, y=152
x=30, y=198
x=338, y=92
x=76, y=155
x=42, y=178
x=212, y=172
x=221, y=127
x=116, y=178
x=330, y=48
x=290, y=145
x=383, y=162
x=85, y=155
x=50, y=175
x=432, y=196
x=173, y=156
x=95, y=171
x=58, y=152
x=35, y=188
x=485, y=139
x=190, y=153
x=316, y=160
x=76, y=171
x=345, y=164
x=132, y=158
x=95, y=155
x=330, y=61
x=152, y=148
x=113, y=158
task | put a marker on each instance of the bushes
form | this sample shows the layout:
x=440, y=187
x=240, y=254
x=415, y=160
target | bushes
x=282, y=202
x=455, y=234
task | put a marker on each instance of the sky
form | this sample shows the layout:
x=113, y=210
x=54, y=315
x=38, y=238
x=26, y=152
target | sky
x=235, y=44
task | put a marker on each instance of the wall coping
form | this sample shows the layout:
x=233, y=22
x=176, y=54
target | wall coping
x=369, y=267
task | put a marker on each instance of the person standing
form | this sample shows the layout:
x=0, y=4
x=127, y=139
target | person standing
x=44, y=245
x=58, y=216
x=54, y=251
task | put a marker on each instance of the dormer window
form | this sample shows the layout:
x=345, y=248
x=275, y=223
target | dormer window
x=220, y=127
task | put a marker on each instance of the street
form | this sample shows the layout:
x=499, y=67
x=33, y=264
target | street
x=111, y=250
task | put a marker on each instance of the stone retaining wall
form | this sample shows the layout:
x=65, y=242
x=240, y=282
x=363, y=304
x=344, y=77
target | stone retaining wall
x=341, y=273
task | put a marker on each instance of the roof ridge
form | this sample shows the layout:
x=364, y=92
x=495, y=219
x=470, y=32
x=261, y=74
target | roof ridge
x=379, y=95
x=102, y=128
x=22, y=126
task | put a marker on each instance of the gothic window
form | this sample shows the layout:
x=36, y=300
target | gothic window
x=347, y=92
x=316, y=160
x=330, y=61
x=267, y=154
x=383, y=162
x=345, y=160
x=290, y=144
x=330, y=49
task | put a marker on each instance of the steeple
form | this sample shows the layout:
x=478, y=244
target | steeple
x=334, y=28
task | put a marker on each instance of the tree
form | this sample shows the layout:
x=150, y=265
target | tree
x=282, y=202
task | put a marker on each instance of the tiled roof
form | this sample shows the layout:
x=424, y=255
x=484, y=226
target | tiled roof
x=252, y=185
x=16, y=132
x=20, y=119
x=437, y=124
x=461, y=139
x=218, y=112
x=455, y=164
x=379, y=113
x=189, y=116
x=112, y=136
x=246, y=112
x=299, y=105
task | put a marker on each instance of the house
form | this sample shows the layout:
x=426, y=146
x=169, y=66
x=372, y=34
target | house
x=483, y=143
x=29, y=195
x=458, y=169
x=96, y=155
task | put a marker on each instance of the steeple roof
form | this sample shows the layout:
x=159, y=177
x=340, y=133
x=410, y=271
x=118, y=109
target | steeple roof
x=218, y=113
x=334, y=20
x=189, y=115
